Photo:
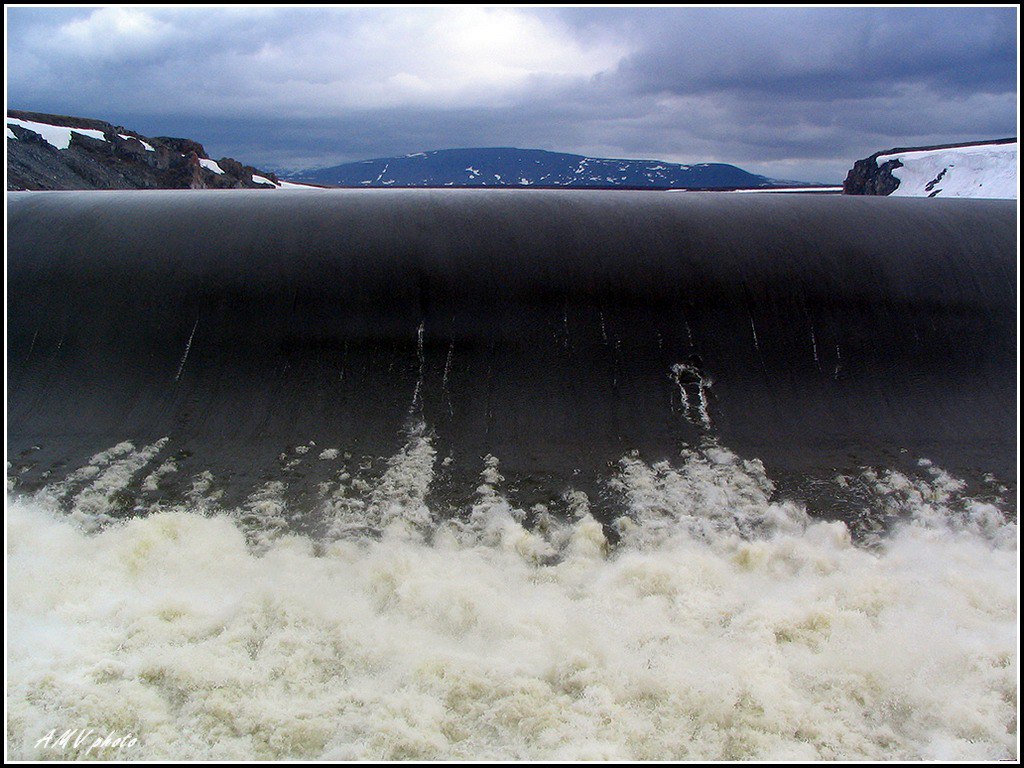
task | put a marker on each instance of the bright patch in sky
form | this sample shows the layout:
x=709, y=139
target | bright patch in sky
x=113, y=32
x=453, y=56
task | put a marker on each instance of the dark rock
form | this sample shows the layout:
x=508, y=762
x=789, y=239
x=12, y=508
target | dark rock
x=89, y=144
x=232, y=167
x=196, y=179
x=182, y=146
x=868, y=178
x=131, y=146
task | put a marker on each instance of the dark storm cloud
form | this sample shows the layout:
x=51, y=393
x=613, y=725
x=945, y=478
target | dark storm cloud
x=802, y=53
x=795, y=93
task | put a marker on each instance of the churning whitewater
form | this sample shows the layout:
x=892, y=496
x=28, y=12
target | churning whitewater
x=709, y=621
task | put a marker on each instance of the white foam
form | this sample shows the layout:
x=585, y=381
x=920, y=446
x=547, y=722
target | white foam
x=685, y=375
x=264, y=515
x=723, y=625
x=93, y=504
x=152, y=482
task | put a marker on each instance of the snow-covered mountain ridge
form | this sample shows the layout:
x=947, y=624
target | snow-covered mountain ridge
x=513, y=167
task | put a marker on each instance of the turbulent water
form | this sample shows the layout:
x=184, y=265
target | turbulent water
x=712, y=620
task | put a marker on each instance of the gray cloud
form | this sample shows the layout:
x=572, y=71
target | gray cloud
x=794, y=93
x=822, y=52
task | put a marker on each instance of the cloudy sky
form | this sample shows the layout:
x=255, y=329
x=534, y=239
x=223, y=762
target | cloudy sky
x=791, y=93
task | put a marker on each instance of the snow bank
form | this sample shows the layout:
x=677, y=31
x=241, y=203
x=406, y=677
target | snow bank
x=987, y=170
x=210, y=165
x=57, y=135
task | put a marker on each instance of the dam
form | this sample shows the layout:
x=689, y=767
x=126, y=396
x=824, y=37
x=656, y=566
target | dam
x=555, y=330
x=511, y=474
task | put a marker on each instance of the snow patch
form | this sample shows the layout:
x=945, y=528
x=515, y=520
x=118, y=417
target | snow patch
x=149, y=147
x=58, y=136
x=210, y=165
x=986, y=171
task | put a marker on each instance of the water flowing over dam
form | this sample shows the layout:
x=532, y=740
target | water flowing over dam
x=511, y=474
x=557, y=331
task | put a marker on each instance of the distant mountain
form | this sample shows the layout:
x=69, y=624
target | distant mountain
x=49, y=152
x=973, y=169
x=509, y=167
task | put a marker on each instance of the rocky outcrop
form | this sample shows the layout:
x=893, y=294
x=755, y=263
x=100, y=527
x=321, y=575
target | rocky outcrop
x=121, y=159
x=868, y=177
x=181, y=146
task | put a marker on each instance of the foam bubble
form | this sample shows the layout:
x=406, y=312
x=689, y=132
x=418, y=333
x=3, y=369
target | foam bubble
x=723, y=625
